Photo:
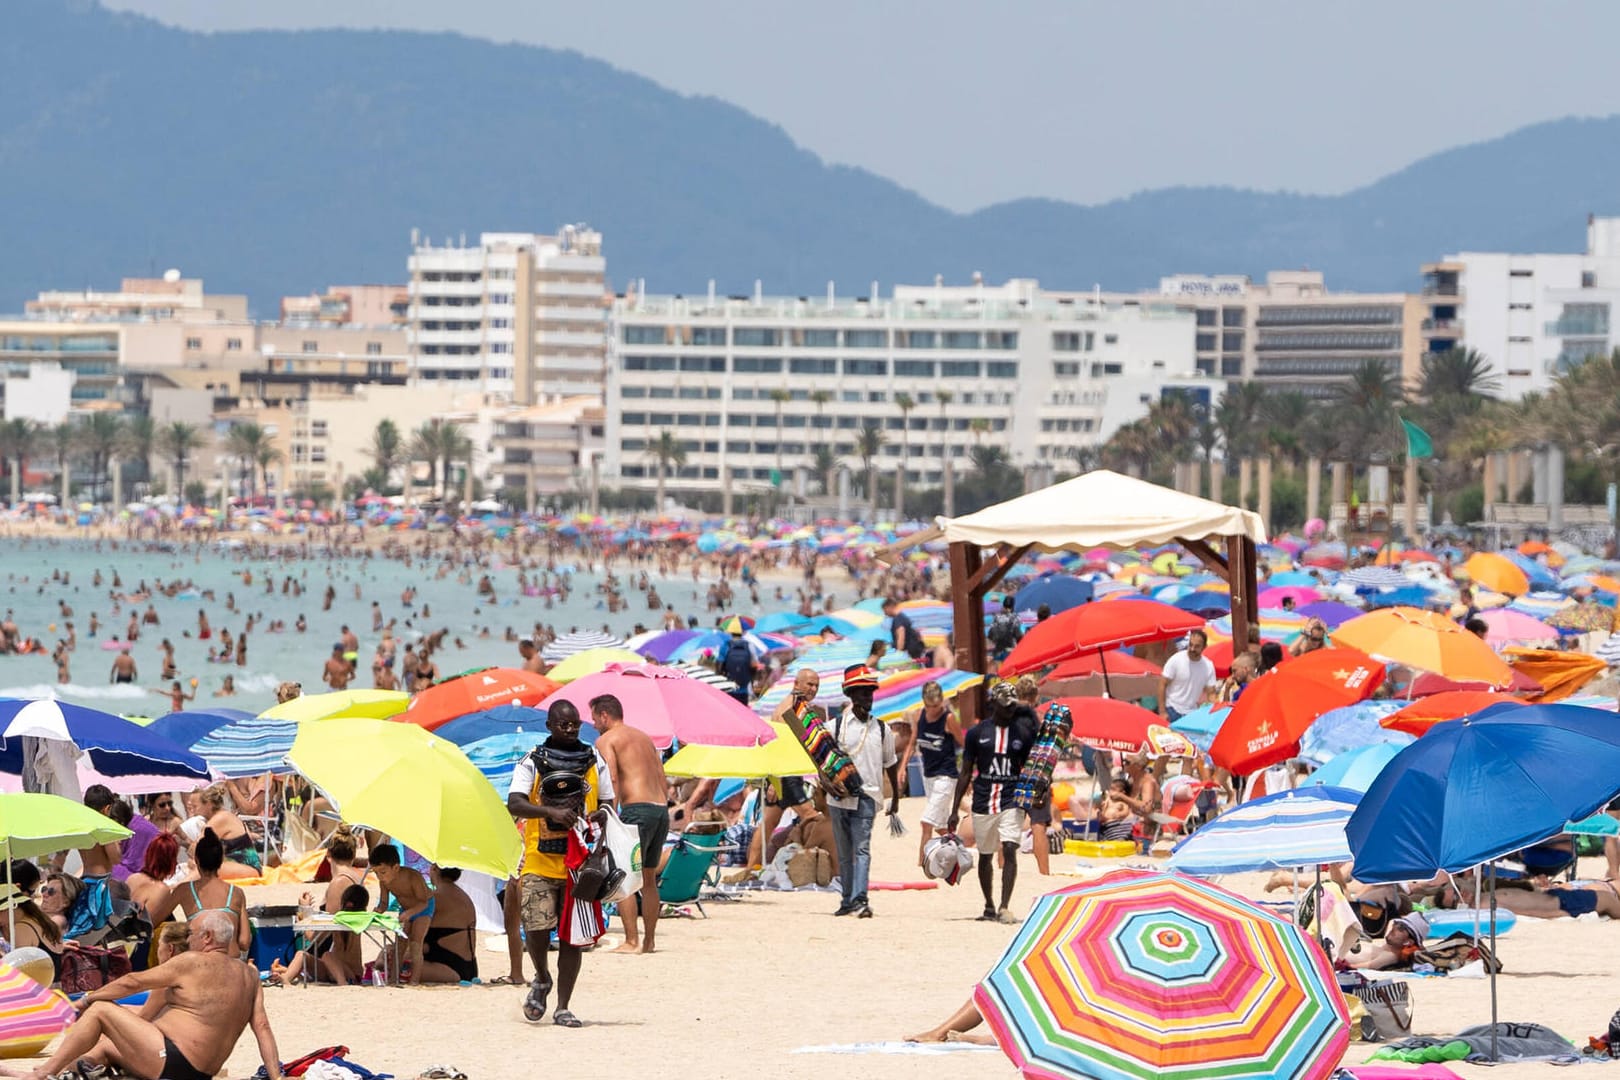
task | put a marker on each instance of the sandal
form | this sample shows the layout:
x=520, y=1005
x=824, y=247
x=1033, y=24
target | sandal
x=564, y=1018
x=534, y=1004
x=504, y=980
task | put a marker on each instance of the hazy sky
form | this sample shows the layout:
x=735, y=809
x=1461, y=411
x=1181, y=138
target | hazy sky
x=972, y=103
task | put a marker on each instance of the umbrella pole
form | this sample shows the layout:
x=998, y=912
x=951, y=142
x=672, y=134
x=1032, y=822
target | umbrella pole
x=1102, y=659
x=1494, y=1058
x=11, y=910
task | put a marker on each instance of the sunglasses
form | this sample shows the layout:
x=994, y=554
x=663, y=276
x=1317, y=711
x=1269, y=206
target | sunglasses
x=166, y=804
x=50, y=890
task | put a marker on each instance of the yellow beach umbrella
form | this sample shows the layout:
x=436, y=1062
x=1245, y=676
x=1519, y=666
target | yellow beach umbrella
x=416, y=787
x=371, y=704
x=589, y=662
x=781, y=756
x=1497, y=573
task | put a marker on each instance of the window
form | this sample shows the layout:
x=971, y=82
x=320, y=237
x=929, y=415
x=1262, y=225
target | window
x=851, y=396
x=703, y=363
x=649, y=363
x=633, y=392
x=961, y=339
x=233, y=344
x=691, y=393
x=735, y=447
x=500, y=346
x=877, y=395
x=742, y=393
x=813, y=365
x=633, y=418
x=756, y=335
x=1520, y=273
x=711, y=420
x=500, y=324
x=848, y=423
x=662, y=419
x=1232, y=342
x=1098, y=370
x=506, y=299
x=317, y=429
x=1588, y=279
x=866, y=339
x=1518, y=340
x=820, y=339
x=710, y=335
x=687, y=419
x=373, y=348
x=756, y=365
x=1232, y=366
x=1063, y=368
x=193, y=343
x=916, y=339
x=633, y=445
x=959, y=369
x=497, y=273
x=866, y=367
x=1065, y=341
x=742, y=420
x=312, y=346
x=1232, y=316
x=661, y=392
x=1205, y=343
x=317, y=455
x=1001, y=339
x=641, y=335
x=1206, y=316
x=1002, y=369
x=1109, y=339
x=914, y=369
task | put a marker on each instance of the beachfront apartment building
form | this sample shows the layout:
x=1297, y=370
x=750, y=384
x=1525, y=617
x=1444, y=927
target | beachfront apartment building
x=1290, y=332
x=751, y=387
x=1530, y=315
x=516, y=314
x=348, y=305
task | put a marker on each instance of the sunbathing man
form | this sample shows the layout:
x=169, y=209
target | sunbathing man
x=198, y=1005
x=415, y=902
x=637, y=777
x=1556, y=902
x=1403, y=937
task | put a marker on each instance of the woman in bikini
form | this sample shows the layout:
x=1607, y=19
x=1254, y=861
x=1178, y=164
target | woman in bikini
x=340, y=853
x=230, y=831
x=148, y=890
x=210, y=893
x=449, y=951
x=35, y=929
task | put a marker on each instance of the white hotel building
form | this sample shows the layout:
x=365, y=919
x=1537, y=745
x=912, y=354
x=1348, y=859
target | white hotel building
x=518, y=316
x=1046, y=373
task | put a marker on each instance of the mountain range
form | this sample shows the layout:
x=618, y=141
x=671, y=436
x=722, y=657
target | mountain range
x=276, y=162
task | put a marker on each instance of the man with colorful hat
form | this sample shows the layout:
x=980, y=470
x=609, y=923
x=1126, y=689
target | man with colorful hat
x=870, y=746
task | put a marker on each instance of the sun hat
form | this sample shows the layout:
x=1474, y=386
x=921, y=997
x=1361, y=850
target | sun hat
x=1416, y=923
x=858, y=677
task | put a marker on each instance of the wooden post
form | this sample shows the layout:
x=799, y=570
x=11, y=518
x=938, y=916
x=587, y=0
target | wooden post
x=967, y=621
x=1313, y=487
x=1411, y=484
x=1240, y=565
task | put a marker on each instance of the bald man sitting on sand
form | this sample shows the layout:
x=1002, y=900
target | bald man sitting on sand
x=198, y=1004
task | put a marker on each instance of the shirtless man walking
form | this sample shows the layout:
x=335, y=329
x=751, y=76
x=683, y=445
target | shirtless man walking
x=123, y=668
x=638, y=782
x=198, y=1004
x=337, y=673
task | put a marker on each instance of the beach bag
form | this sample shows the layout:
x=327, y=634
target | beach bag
x=1386, y=1010
x=600, y=878
x=1455, y=951
x=90, y=968
x=623, y=845
x=810, y=866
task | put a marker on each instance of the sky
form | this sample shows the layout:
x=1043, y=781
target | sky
x=971, y=103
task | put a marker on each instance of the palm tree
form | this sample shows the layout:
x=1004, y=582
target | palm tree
x=243, y=441
x=826, y=465
x=64, y=441
x=101, y=434
x=667, y=451
x=267, y=456
x=19, y=441
x=140, y=436
x=1286, y=415
x=869, y=445
x=176, y=441
x=387, y=449
x=425, y=446
x=1367, y=407
x=820, y=398
x=781, y=397
x=945, y=397
x=905, y=403
x=455, y=446
x=1454, y=388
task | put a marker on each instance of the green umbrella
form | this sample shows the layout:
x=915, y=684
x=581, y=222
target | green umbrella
x=33, y=823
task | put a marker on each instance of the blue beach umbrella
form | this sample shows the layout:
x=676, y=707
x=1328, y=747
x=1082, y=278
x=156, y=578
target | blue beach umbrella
x=185, y=728
x=250, y=747
x=1303, y=827
x=116, y=746
x=1059, y=592
x=1202, y=724
x=1355, y=769
x=501, y=720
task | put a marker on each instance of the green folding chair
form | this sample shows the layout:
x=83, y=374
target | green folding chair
x=688, y=869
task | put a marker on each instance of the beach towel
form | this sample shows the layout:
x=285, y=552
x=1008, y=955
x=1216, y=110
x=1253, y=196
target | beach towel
x=838, y=774
x=1514, y=1042
x=360, y=921
x=580, y=922
x=92, y=908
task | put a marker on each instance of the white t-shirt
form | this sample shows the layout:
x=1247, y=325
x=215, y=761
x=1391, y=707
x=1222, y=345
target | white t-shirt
x=1188, y=679
x=523, y=779
x=870, y=745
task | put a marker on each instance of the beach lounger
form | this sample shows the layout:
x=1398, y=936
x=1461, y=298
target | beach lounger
x=690, y=865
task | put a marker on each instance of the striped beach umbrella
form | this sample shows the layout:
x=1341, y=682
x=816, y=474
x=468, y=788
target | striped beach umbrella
x=578, y=641
x=250, y=747
x=1141, y=975
x=1303, y=827
x=31, y=1015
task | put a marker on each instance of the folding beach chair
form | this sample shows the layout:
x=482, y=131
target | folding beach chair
x=688, y=869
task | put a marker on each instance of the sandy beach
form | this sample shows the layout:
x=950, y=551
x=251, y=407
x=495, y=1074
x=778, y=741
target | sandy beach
x=739, y=993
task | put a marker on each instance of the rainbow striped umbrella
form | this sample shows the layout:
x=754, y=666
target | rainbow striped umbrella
x=1142, y=975
x=31, y=1015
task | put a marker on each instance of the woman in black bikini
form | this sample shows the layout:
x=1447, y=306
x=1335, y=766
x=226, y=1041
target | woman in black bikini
x=35, y=929
x=449, y=951
x=340, y=853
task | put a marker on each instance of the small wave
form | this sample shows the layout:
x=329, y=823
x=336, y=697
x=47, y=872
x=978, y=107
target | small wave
x=116, y=692
x=258, y=684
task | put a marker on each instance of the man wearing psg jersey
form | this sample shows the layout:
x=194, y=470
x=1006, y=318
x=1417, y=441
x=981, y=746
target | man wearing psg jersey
x=993, y=753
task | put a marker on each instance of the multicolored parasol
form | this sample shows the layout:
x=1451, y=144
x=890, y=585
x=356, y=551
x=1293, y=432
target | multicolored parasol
x=31, y=1015
x=1141, y=975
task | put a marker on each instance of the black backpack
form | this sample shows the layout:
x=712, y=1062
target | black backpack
x=1004, y=631
x=738, y=665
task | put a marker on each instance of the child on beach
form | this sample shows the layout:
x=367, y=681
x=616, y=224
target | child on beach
x=416, y=904
x=337, y=958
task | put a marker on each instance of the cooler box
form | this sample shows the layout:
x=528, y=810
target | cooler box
x=272, y=934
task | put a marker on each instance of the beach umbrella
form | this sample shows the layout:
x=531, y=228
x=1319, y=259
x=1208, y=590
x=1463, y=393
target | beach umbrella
x=1268, y=721
x=414, y=786
x=578, y=641
x=1348, y=728
x=668, y=705
x=1110, y=724
x=1355, y=769
x=1421, y=715
x=781, y=755
x=501, y=720
x=1302, y=827
x=1273, y=596
x=1583, y=618
x=1129, y=677
x=35, y=823
x=1143, y=974
x=251, y=747
x=358, y=702
x=705, y=675
x=476, y=691
x=901, y=693
x=1412, y=595
x=1207, y=605
x=185, y=728
x=116, y=747
x=1427, y=641
x=589, y=662
x=658, y=646
x=1496, y=572
x=496, y=755
x=1508, y=627
x=31, y=1014
x=1202, y=724
x=736, y=624
x=1331, y=612
x=1096, y=628
x=1294, y=577
x=1375, y=577
x=1059, y=592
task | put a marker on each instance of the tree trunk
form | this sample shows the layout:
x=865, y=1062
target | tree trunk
x=1313, y=487
x=1244, y=471
x=1214, y=479
x=1263, y=480
x=950, y=485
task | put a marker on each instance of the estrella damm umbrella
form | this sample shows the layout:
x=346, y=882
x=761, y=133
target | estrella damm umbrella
x=1142, y=975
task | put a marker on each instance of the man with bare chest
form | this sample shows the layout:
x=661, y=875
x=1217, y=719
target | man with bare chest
x=638, y=783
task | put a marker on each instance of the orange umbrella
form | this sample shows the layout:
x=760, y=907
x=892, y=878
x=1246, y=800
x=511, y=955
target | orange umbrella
x=1532, y=548
x=1496, y=573
x=1423, y=714
x=1425, y=640
x=1266, y=724
x=1560, y=673
x=475, y=691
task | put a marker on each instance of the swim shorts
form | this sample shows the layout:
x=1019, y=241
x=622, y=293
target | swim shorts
x=652, y=822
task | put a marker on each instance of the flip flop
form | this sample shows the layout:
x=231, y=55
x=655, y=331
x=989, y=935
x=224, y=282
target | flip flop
x=504, y=980
x=564, y=1018
x=534, y=1005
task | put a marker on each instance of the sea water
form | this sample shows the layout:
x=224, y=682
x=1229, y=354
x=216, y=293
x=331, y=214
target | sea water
x=26, y=589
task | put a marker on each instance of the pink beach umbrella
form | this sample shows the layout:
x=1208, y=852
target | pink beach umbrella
x=668, y=704
x=1506, y=627
x=1274, y=596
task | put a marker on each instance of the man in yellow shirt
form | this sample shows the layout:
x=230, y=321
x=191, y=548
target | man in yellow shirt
x=551, y=789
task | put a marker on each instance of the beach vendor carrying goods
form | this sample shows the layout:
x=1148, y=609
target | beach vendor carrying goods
x=1035, y=780
x=808, y=723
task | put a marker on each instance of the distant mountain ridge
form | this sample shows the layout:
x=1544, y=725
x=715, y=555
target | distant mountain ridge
x=272, y=163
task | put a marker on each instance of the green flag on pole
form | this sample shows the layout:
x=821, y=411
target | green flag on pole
x=1418, y=443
